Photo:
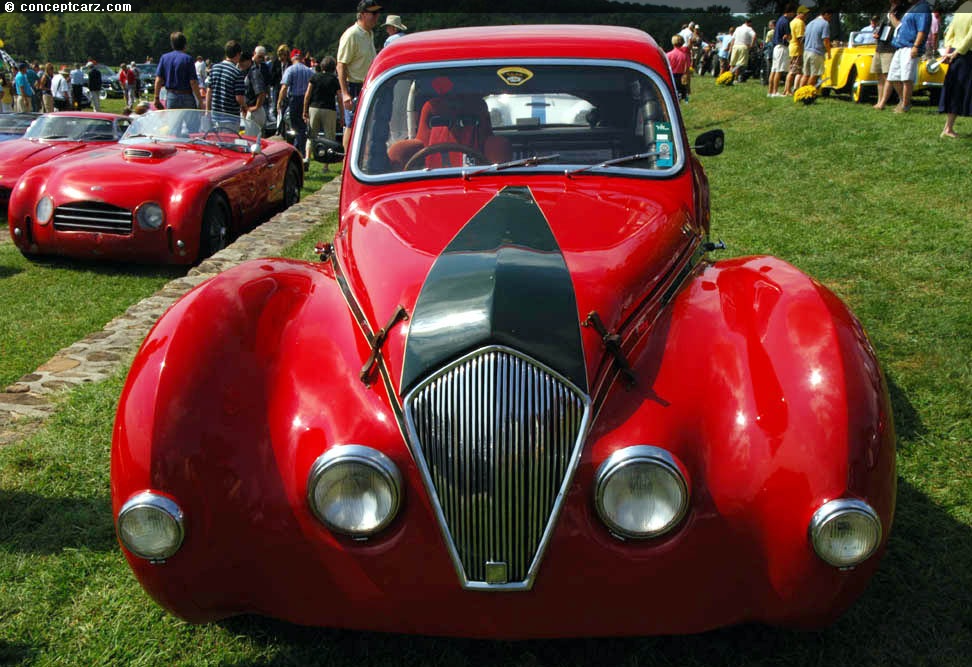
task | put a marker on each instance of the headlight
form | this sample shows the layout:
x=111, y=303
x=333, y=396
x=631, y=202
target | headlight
x=150, y=526
x=354, y=490
x=845, y=532
x=149, y=216
x=44, y=210
x=641, y=492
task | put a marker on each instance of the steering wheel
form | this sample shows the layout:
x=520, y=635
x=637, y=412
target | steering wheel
x=444, y=149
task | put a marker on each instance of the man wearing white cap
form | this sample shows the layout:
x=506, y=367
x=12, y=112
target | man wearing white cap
x=394, y=27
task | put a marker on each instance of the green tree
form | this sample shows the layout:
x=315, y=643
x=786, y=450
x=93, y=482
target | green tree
x=18, y=34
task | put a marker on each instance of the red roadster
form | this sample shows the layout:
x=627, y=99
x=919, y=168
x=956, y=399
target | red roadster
x=516, y=399
x=175, y=189
x=55, y=135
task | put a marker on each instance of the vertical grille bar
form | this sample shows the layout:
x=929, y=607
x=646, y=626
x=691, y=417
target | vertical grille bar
x=498, y=436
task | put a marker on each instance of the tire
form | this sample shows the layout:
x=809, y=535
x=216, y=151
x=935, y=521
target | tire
x=934, y=95
x=291, y=186
x=215, y=228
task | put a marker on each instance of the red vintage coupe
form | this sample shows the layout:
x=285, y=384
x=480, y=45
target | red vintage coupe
x=516, y=398
x=176, y=188
x=52, y=136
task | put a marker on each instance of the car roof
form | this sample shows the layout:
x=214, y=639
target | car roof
x=522, y=41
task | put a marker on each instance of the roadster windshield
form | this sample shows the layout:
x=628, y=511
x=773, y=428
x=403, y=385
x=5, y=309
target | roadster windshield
x=193, y=126
x=561, y=114
x=58, y=127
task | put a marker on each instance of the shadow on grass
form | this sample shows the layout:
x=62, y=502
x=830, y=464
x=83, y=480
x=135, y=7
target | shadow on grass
x=107, y=267
x=7, y=271
x=12, y=653
x=36, y=524
x=917, y=611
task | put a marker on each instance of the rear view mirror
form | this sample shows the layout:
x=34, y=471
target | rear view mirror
x=710, y=143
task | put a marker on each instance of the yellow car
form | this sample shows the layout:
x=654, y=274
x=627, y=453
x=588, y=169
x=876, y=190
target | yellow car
x=848, y=70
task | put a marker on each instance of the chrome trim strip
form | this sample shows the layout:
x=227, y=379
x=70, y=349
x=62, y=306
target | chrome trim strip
x=663, y=87
x=483, y=451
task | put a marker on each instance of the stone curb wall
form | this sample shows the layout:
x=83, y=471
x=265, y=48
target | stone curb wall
x=101, y=354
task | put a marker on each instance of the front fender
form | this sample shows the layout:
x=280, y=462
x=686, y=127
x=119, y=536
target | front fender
x=763, y=383
x=236, y=391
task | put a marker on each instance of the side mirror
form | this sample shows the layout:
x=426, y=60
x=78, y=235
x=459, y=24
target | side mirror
x=710, y=143
x=256, y=147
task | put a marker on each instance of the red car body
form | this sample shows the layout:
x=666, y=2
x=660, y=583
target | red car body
x=19, y=155
x=208, y=186
x=495, y=333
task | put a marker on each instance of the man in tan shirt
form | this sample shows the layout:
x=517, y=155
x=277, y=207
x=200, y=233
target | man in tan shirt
x=356, y=51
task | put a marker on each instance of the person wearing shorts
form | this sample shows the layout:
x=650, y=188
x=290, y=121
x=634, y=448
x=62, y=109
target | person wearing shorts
x=816, y=47
x=781, y=50
x=909, y=44
x=797, y=27
x=883, y=50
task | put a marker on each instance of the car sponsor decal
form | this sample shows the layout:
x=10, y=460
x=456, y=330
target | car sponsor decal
x=515, y=76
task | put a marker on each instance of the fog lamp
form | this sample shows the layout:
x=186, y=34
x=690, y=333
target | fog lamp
x=845, y=532
x=354, y=490
x=150, y=526
x=641, y=492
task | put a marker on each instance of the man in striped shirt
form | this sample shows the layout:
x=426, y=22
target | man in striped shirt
x=293, y=86
x=226, y=92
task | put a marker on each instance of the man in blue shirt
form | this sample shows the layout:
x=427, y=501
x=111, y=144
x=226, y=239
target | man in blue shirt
x=816, y=48
x=293, y=86
x=177, y=72
x=909, y=45
x=781, y=50
x=23, y=91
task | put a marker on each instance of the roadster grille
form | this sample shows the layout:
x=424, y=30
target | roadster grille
x=497, y=435
x=92, y=216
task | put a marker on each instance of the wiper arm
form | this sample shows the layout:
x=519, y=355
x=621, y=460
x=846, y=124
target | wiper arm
x=616, y=161
x=522, y=162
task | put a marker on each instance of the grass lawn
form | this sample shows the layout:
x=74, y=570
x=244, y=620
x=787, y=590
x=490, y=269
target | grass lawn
x=872, y=204
x=47, y=306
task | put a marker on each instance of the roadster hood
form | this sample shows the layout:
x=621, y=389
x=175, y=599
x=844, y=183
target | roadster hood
x=521, y=266
x=20, y=155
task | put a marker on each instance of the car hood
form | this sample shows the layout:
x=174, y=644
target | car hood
x=20, y=155
x=516, y=265
x=118, y=177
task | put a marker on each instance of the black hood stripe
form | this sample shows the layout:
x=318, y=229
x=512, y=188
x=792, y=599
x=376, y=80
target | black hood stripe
x=502, y=280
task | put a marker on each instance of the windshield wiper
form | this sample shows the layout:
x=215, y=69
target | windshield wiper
x=616, y=161
x=522, y=162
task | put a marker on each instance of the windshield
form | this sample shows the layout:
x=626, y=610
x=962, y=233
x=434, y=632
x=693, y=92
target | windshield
x=10, y=122
x=570, y=114
x=58, y=127
x=193, y=126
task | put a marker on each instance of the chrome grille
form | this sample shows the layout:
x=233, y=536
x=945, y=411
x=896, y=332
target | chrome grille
x=497, y=436
x=93, y=216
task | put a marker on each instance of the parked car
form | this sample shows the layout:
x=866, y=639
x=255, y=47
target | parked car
x=848, y=70
x=14, y=124
x=177, y=188
x=517, y=398
x=52, y=136
x=146, y=75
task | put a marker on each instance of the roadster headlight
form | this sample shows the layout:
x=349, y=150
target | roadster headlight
x=354, y=490
x=44, y=210
x=641, y=492
x=845, y=532
x=150, y=526
x=149, y=216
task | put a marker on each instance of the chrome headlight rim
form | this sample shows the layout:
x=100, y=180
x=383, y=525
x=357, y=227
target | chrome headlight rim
x=835, y=509
x=45, y=216
x=361, y=455
x=157, y=502
x=641, y=454
x=147, y=208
